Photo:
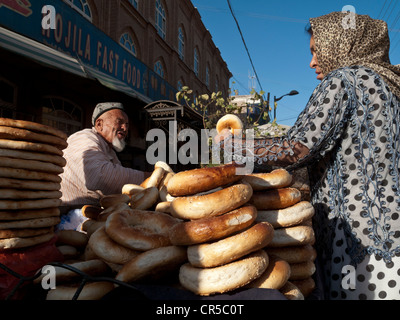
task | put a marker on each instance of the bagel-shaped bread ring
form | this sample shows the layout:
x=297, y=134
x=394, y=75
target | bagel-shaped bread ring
x=145, y=199
x=109, y=250
x=163, y=165
x=207, y=281
x=113, y=199
x=194, y=181
x=287, y=217
x=153, y=263
x=303, y=270
x=275, y=276
x=88, y=254
x=213, y=204
x=68, y=252
x=165, y=180
x=72, y=237
x=278, y=178
x=307, y=222
x=108, y=211
x=86, y=224
x=214, y=228
x=293, y=236
x=131, y=189
x=306, y=286
x=230, y=122
x=94, y=267
x=155, y=178
x=91, y=211
x=162, y=188
x=164, y=195
x=114, y=266
x=144, y=183
x=208, y=255
x=163, y=206
x=94, y=226
x=91, y=291
x=294, y=254
x=140, y=230
x=291, y=292
x=275, y=198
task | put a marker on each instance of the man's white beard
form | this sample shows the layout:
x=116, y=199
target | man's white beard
x=118, y=144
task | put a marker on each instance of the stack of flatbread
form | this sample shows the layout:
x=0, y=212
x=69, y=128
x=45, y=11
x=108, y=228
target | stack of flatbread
x=31, y=160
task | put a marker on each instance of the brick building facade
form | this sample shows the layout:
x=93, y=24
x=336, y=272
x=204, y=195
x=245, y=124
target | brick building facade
x=133, y=51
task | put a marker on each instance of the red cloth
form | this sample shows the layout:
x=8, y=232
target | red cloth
x=26, y=262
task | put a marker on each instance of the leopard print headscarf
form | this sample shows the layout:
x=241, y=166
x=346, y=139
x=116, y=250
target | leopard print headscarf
x=365, y=42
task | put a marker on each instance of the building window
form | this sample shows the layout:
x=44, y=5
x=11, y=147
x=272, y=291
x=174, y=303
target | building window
x=181, y=44
x=158, y=68
x=180, y=85
x=160, y=19
x=216, y=85
x=127, y=42
x=134, y=3
x=82, y=6
x=196, y=62
x=61, y=114
x=208, y=76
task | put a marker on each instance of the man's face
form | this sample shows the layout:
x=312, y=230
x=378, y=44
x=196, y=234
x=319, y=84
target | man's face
x=113, y=127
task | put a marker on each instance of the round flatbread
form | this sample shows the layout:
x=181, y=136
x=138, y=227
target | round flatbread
x=29, y=184
x=28, y=135
x=30, y=223
x=23, y=233
x=29, y=204
x=33, y=126
x=19, y=242
x=28, y=194
x=26, y=155
x=30, y=164
x=30, y=146
x=29, y=214
x=15, y=173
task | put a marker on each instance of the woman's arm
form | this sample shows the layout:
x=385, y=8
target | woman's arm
x=284, y=153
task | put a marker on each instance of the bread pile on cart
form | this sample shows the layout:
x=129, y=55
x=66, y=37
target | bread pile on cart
x=30, y=163
x=219, y=231
x=216, y=230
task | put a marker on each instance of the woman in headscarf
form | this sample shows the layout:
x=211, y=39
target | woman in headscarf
x=349, y=138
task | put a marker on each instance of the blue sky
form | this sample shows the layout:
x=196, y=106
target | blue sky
x=274, y=32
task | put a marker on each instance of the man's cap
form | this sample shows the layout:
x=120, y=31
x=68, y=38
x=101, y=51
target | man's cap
x=104, y=107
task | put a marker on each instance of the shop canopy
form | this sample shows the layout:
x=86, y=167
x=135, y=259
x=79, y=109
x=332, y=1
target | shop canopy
x=48, y=56
x=164, y=111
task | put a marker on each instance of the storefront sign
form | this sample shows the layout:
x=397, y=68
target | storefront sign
x=61, y=27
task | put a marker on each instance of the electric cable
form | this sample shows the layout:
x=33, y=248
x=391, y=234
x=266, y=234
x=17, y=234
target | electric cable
x=244, y=42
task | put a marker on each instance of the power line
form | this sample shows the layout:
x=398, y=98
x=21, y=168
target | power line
x=390, y=4
x=241, y=84
x=393, y=45
x=394, y=25
x=395, y=4
x=244, y=42
x=395, y=21
x=382, y=9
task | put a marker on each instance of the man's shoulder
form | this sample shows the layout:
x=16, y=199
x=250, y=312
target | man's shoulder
x=89, y=133
x=84, y=136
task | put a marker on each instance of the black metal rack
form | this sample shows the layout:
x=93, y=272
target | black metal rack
x=84, y=279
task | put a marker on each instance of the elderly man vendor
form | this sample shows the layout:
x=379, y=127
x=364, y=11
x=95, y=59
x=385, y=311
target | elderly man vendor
x=93, y=168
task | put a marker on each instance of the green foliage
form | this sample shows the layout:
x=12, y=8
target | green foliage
x=213, y=107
